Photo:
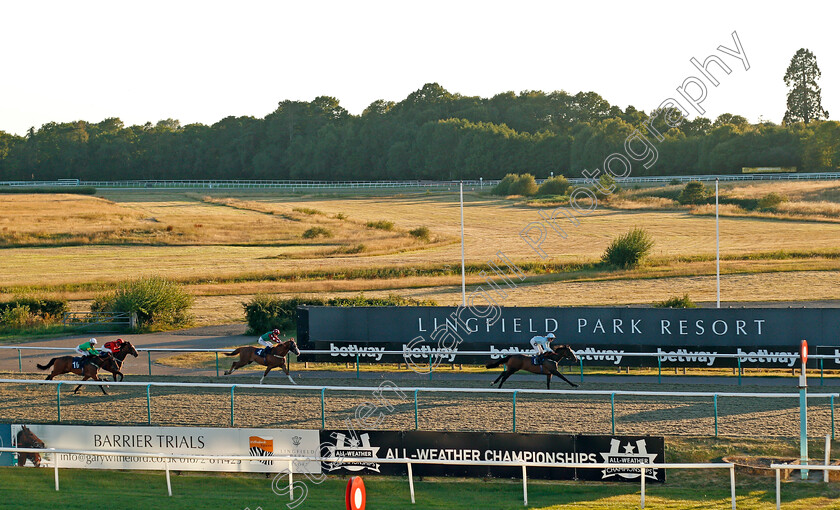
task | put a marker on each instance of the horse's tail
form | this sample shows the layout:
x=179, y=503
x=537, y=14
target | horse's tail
x=500, y=361
x=48, y=365
x=235, y=352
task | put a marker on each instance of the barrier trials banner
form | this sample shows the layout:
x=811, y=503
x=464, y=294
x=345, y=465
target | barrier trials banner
x=356, y=452
x=6, y=458
x=140, y=442
x=601, y=336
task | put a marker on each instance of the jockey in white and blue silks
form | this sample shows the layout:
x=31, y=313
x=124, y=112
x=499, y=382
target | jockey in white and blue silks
x=541, y=344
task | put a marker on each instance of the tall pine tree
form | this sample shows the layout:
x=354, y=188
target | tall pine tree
x=804, y=101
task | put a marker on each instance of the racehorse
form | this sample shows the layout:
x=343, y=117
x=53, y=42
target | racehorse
x=27, y=439
x=277, y=358
x=90, y=370
x=517, y=362
x=120, y=356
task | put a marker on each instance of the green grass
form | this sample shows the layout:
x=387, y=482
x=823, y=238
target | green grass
x=141, y=490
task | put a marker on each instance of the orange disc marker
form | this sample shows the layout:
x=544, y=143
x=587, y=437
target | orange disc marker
x=355, y=496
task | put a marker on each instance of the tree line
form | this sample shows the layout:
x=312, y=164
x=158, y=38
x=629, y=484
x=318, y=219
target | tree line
x=431, y=134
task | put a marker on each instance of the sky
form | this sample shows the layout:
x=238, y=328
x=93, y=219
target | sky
x=204, y=61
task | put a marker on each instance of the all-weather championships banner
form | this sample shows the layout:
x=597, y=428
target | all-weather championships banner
x=140, y=443
x=356, y=452
x=687, y=337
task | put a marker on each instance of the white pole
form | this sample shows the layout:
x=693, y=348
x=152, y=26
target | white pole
x=168, y=482
x=827, y=456
x=717, y=241
x=55, y=466
x=411, y=483
x=525, y=484
x=732, y=484
x=643, y=488
x=463, y=266
x=778, y=490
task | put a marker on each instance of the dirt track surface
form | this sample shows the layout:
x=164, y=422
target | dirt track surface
x=571, y=412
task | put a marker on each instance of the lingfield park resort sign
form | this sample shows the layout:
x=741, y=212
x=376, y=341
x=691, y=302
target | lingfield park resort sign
x=601, y=336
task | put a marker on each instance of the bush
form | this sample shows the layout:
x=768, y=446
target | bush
x=156, y=300
x=381, y=224
x=627, y=251
x=44, y=308
x=421, y=233
x=503, y=188
x=555, y=186
x=307, y=210
x=314, y=232
x=350, y=250
x=607, y=183
x=524, y=185
x=265, y=313
x=17, y=317
x=676, y=302
x=769, y=201
x=694, y=193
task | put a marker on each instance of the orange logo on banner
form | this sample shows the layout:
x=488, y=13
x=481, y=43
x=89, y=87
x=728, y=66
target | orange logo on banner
x=355, y=497
x=266, y=445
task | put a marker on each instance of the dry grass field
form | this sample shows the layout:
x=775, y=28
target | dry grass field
x=228, y=245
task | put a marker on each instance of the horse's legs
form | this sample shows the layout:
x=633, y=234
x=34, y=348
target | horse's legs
x=235, y=365
x=500, y=376
x=554, y=371
x=96, y=378
x=85, y=378
x=49, y=377
x=286, y=369
x=505, y=376
x=267, y=370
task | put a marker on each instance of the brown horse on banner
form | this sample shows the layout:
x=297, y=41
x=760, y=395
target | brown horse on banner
x=27, y=439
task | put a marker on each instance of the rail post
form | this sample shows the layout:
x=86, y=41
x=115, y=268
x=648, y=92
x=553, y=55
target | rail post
x=58, y=401
x=716, y=416
x=732, y=484
x=415, y=410
x=643, y=486
x=357, y=365
x=149, y=404
x=168, y=481
x=525, y=484
x=612, y=410
x=821, y=373
x=430, y=366
x=323, y=416
x=832, y=417
x=514, y=411
x=55, y=469
x=580, y=358
x=149, y=357
x=231, y=404
x=659, y=364
x=411, y=482
x=739, y=370
x=20, y=362
x=217, y=363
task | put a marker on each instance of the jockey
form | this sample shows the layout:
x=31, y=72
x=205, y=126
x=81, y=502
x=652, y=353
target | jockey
x=541, y=345
x=269, y=340
x=113, y=347
x=87, y=350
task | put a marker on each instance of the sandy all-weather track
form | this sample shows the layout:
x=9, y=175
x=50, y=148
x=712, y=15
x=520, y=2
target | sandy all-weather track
x=570, y=412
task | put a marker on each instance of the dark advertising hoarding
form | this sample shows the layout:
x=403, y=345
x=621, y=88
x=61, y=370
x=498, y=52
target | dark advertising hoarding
x=355, y=453
x=601, y=336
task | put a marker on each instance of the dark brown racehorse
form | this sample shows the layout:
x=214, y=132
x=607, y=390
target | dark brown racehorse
x=90, y=370
x=26, y=439
x=277, y=358
x=120, y=356
x=519, y=362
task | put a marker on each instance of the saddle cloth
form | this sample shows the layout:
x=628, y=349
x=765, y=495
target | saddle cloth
x=535, y=360
x=77, y=362
x=260, y=352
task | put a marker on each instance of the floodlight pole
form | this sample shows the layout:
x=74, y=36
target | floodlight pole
x=717, y=241
x=463, y=265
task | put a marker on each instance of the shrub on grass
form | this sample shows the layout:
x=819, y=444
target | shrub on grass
x=314, y=232
x=45, y=308
x=307, y=210
x=558, y=185
x=421, y=233
x=769, y=201
x=628, y=250
x=381, y=224
x=676, y=302
x=154, y=299
x=17, y=317
x=503, y=188
x=524, y=185
x=694, y=193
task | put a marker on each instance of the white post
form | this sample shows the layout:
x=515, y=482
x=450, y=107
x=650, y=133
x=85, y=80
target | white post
x=643, y=487
x=732, y=483
x=717, y=241
x=525, y=484
x=778, y=490
x=463, y=266
x=827, y=456
x=291, y=483
x=168, y=482
x=55, y=467
x=411, y=483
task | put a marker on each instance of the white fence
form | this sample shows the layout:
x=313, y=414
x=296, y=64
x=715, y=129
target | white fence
x=407, y=462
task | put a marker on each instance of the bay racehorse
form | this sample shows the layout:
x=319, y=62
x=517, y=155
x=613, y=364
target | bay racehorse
x=27, y=439
x=517, y=362
x=277, y=358
x=64, y=364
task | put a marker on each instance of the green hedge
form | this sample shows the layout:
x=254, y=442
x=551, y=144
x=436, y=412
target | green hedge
x=70, y=190
x=41, y=307
x=265, y=313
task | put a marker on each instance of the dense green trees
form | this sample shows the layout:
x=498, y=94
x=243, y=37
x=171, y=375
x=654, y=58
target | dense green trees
x=431, y=134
